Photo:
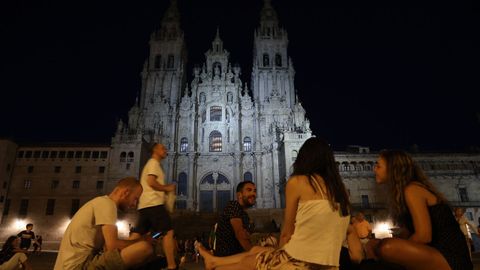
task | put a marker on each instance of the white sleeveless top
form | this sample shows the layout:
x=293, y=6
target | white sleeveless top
x=319, y=233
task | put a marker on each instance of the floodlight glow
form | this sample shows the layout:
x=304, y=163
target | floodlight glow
x=123, y=228
x=382, y=229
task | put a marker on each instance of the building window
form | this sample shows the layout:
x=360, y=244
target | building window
x=70, y=154
x=469, y=216
x=78, y=154
x=170, y=61
x=54, y=184
x=57, y=169
x=217, y=68
x=215, y=140
x=278, y=60
x=28, y=154
x=101, y=169
x=99, y=185
x=266, y=60
x=463, y=194
x=45, y=154
x=215, y=113
x=23, y=207
x=6, y=207
x=95, y=154
x=130, y=157
x=61, y=154
x=75, y=206
x=365, y=202
x=36, y=154
x=76, y=184
x=30, y=169
x=87, y=154
x=127, y=167
x=53, y=154
x=248, y=177
x=158, y=58
x=183, y=144
x=50, y=207
x=78, y=169
x=182, y=184
x=20, y=154
x=247, y=144
x=123, y=156
x=27, y=184
x=103, y=154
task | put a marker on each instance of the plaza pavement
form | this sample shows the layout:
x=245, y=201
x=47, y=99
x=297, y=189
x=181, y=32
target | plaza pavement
x=46, y=260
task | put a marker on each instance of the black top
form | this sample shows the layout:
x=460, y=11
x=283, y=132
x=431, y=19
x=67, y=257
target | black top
x=26, y=238
x=226, y=242
x=446, y=236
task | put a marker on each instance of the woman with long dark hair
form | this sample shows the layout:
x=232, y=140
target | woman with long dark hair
x=434, y=239
x=316, y=218
x=12, y=257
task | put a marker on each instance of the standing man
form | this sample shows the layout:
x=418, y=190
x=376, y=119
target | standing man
x=153, y=216
x=233, y=230
x=26, y=237
x=91, y=239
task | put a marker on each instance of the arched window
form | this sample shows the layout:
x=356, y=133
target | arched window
x=158, y=59
x=215, y=141
x=170, y=61
x=130, y=157
x=248, y=176
x=266, y=60
x=183, y=144
x=278, y=60
x=217, y=68
x=247, y=144
x=215, y=113
x=123, y=156
x=182, y=184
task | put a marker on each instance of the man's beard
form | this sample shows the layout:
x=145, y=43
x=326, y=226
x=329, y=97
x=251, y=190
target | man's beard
x=246, y=202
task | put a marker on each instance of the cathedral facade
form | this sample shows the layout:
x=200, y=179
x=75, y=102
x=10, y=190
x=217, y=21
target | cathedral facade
x=218, y=132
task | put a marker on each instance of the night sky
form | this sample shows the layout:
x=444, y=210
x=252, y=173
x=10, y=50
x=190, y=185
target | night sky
x=380, y=77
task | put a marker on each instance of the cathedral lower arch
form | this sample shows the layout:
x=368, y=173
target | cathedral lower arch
x=215, y=192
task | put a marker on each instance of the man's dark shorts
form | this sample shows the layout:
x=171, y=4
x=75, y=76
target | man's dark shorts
x=153, y=219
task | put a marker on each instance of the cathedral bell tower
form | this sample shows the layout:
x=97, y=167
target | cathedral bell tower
x=272, y=73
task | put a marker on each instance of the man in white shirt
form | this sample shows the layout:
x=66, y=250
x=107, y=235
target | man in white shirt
x=153, y=216
x=91, y=239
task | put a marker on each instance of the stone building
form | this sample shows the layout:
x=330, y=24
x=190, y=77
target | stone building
x=218, y=132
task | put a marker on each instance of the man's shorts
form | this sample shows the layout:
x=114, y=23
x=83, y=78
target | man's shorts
x=110, y=260
x=153, y=219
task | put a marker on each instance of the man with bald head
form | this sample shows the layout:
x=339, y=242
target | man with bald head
x=91, y=239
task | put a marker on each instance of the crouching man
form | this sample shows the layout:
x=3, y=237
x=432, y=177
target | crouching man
x=91, y=239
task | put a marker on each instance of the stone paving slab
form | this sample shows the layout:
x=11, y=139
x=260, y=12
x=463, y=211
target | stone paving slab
x=46, y=261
